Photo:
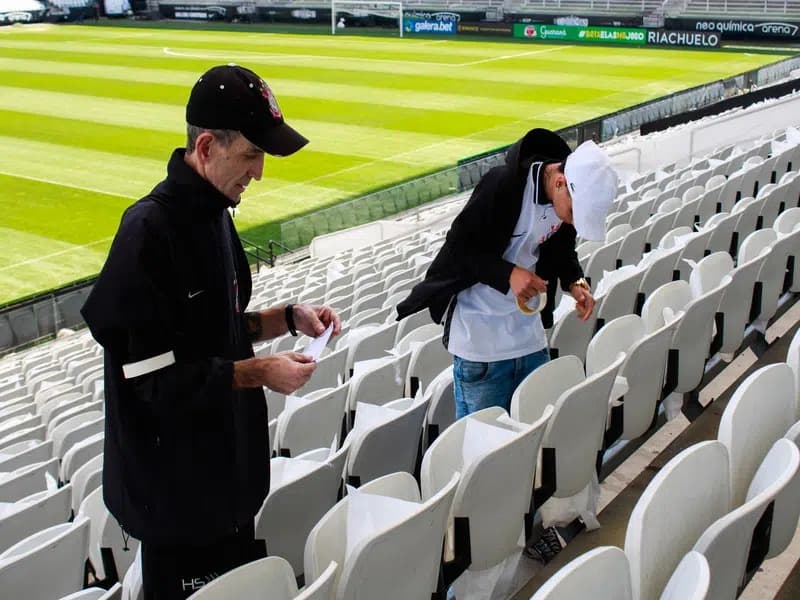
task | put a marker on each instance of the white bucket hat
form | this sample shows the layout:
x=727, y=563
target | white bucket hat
x=592, y=183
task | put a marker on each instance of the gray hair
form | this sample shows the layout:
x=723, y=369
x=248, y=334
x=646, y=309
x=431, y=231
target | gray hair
x=225, y=136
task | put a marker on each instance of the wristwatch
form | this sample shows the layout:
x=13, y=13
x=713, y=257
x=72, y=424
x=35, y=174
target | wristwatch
x=582, y=283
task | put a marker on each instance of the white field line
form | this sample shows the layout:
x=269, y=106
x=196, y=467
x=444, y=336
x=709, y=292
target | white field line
x=52, y=254
x=294, y=57
x=508, y=56
x=70, y=185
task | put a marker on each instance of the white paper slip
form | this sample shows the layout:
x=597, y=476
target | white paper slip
x=317, y=345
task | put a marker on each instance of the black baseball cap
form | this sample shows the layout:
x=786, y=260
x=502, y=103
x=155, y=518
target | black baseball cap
x=235, y=98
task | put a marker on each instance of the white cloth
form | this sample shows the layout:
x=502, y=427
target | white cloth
x=488, y=326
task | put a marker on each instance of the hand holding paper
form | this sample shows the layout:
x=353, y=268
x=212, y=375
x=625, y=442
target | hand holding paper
x=317, y=345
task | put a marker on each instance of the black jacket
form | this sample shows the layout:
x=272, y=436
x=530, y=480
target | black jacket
x=186, y=459
x=473, y=250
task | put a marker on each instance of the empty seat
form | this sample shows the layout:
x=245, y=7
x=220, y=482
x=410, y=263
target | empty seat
x=302, y=490
x=691, y=579
x=111, y=550
x=28, y=480
x=395, y=561
x=643, y=369
x=58, y=551
x=497, y=459
x=427, y=360
x=726, y=544
x=388, y=444
x=34, y=513
x=25, y=453
x=749, y=426
x=667, y=521
x=571, y=335
x=313, y=421
x=271, y=574
x=95, y=593
x=602, y=574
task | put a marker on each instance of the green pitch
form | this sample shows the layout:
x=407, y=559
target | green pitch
x=89, y=116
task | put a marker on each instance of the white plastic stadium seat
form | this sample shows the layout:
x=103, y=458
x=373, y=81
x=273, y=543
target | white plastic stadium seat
x=34, y=513
x=396, y=561
x=296, y=503
x=691, y=579
x=59, y=552
x=666, y=521
x=602, y=574
x=93, y=593
x=272, y=575
x=749, y=426
x=485, y=447
x=28, y=480
x=727, y=542
x=111, y=552
x=314, y=424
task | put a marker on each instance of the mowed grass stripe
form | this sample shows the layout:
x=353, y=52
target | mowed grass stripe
x=468, y=99
x=335, y=138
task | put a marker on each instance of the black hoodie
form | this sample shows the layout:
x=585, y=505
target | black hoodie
x=479, y=235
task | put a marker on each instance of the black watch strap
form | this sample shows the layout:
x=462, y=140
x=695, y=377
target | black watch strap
x=289, y=314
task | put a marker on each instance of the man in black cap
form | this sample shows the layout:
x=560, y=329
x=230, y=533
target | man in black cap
x=186, y=460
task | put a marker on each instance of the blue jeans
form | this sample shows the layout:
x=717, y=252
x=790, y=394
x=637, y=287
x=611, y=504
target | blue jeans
x=479, y=385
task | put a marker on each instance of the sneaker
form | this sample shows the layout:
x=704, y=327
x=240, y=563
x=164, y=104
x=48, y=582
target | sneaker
x=546, y=547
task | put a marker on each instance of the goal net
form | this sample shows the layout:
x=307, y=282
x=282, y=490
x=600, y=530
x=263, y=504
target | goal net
x=346, y=13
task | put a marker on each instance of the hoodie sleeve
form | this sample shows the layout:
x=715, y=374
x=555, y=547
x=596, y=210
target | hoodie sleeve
x=135, y=312
x=478, y=234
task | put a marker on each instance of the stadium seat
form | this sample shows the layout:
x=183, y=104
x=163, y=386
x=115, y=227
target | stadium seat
x=385, y=439
x=442, y=409
x=377, y=382
x=485, y=448
x=732, y=545
x=313, y=422
x=59, y=551
x=630, y=252
x=691, y=579
x=302, y=491
x=271, y=573
x=85, y=480
x=787, y=223
x=75, y=408
x=749, y=426
x=34, y=513
x=75, y=429
x=81, y=453
x=29, y=480
x=643, y=369
x=660, y=265
x=427, y=360
x=25, y=453
x=602, y=574
x=573, y=439
x=397, y=560
x=111, y=552
x=372, y=345
x=666, y=522
x=94, y=593
x=36, y=432
x=770, y=278
x=570, y=335
x=330, y=372
x=620, y=299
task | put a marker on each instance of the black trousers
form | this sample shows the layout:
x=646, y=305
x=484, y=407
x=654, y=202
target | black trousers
x=176, y=572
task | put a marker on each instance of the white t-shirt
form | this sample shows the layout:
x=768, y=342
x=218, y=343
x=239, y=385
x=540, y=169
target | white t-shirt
x=488, y=326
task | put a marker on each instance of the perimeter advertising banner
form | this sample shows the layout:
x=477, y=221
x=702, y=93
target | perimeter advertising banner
x=739, y=29
x=440, y=23
x=573, y=33
x=683, y=39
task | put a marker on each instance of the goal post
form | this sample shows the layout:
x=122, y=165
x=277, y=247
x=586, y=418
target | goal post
x=363, y=8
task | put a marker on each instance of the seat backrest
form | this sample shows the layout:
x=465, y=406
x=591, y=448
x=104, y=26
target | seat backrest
x=495, y=504
x=292, y=510
x=391, y=446
x=427, y=361
x=787, y=221
x=691, y=579
x=251, y=580
x=621, y=299
x=601, y=574
x=544, y=386
x=322, y=588
x=380, y=385
x=412, y=322
x=26, y=453
x=373, y=345
x=666, y=521
x=709, y=272
x=85, y=480
x=313, y=425
x=38, y=511
x=575, y=431
x=616, y=336
x=28, y=480
x=660, y=270
x=58, y=551
x=669, y=299
x=793, y=360
x=571, y=335
x=749, y=426
x=417, y=336
x=442, y=409
x=403, y=561
x=727, y=542
x=330, y=371
x=75, y=430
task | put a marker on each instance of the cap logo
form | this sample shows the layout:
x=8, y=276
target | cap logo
x=267, y=94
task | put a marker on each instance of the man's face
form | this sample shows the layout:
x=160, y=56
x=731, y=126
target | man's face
x=230, y=169
x=562, y=201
